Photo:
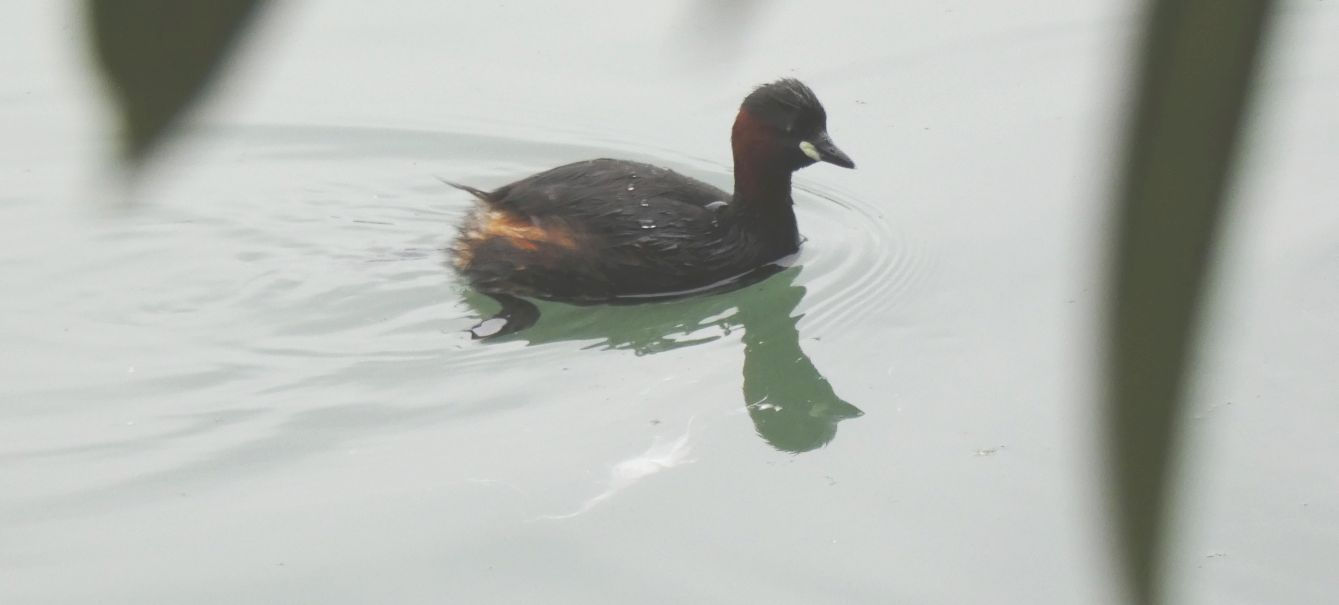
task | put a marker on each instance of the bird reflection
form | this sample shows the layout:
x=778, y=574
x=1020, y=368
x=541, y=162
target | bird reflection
x=793, y=407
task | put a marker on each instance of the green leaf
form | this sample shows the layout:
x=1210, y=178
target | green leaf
x=1198, y=61
x=159, y=55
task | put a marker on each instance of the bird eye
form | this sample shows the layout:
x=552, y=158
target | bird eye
x=800, y=124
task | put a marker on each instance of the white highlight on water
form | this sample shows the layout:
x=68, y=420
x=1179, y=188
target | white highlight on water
x=660, y=456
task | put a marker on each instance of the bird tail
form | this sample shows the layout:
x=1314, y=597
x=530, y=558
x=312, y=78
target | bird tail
x=482, y=195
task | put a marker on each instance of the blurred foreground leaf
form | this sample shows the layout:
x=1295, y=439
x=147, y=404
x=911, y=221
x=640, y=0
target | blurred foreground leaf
x=1197, y=63
x=158, y=55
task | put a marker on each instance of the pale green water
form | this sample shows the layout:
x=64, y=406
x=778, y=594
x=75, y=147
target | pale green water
x=252, y=384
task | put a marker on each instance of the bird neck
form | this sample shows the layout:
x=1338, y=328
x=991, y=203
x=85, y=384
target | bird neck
x=762, y=183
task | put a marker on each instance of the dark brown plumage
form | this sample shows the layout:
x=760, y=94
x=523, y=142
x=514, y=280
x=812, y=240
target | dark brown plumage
x=615, y=231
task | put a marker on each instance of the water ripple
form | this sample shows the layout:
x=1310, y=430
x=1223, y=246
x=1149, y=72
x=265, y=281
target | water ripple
x=343, y=281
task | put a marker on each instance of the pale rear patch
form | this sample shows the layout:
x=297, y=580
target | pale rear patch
x=519, y=231
x=523, y=232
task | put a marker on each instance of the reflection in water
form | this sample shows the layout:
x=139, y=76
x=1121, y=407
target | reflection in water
x=792, y=405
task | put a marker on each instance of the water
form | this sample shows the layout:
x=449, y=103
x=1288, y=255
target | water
x=248, y=380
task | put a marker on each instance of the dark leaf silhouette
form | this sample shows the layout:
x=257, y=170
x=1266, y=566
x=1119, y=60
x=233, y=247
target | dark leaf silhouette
x=158, y=55
x=1197, y=63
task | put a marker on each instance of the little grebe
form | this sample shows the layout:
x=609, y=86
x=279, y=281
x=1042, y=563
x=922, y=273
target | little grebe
x=604, y=231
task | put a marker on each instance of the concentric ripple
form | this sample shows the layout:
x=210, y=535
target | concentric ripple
x=855, y=259
x=856, y=262
x=343, y=280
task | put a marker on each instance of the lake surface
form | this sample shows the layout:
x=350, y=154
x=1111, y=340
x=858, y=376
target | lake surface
x=247, y=379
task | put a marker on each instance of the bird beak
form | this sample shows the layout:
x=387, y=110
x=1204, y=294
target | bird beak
x=826, y=151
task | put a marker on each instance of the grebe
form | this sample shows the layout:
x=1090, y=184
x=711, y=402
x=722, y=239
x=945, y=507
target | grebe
x=613, y=231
